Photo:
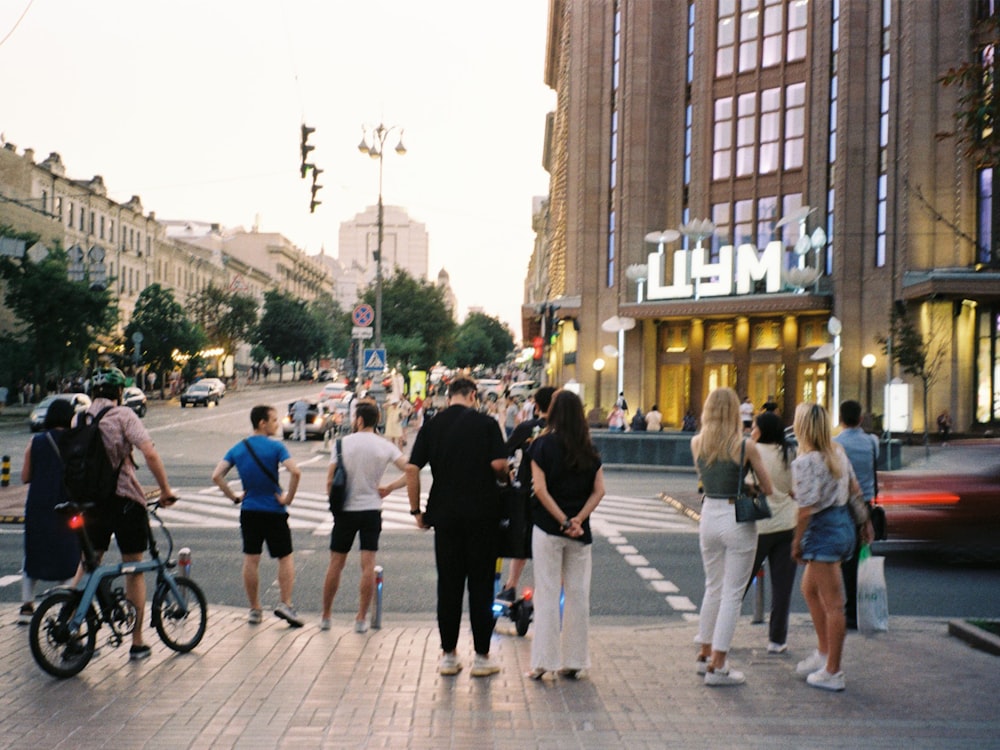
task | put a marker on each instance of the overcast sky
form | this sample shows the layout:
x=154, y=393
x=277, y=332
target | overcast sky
x=196, y=105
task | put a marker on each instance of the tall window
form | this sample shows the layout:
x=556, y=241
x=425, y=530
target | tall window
x=613, y=166
x=753, y=34
x=831, y=193
x=882, y=222
x=768, y=133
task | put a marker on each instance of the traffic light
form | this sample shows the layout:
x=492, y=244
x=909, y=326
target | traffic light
x=306, y=148
x=316, y=187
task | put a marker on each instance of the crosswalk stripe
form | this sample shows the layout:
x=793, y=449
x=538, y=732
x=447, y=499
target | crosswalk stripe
x=209, y=508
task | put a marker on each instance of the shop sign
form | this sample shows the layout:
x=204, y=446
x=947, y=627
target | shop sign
x=734, y=273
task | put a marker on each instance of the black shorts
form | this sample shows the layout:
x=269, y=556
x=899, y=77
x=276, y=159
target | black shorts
x=349, y=523
x=124, y=518
x=260, y=526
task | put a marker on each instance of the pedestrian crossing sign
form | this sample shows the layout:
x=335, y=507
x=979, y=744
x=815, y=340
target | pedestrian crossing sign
x=374, y=360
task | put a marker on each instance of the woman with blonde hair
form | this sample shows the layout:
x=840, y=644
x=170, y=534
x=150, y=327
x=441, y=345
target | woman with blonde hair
x=727, y=547
x=823, y=482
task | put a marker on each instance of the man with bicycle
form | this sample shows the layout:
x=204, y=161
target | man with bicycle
x=263, y=516
x=125, y=517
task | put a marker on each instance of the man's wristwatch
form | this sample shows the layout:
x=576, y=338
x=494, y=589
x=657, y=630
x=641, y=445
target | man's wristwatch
x=566, y=524
x=415, y=511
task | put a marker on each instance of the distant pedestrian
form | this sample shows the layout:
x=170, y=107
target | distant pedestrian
x=51, y=548
x=746, y=414
x=300, y=413
x=944, y=426
x=727, y=547
x=825, y=536
x=264, y=511
x=365, y=455
x=467, y=457
x=568, y=482
x=616, y=419
x=654, y=419
x=621, y=403
x=638, y=421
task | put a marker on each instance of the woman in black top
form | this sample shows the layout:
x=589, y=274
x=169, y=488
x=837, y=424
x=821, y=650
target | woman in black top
x=568, y=483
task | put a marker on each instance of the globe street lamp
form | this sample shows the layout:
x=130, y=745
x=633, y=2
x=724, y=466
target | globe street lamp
x=375, y=150
x=868, y=362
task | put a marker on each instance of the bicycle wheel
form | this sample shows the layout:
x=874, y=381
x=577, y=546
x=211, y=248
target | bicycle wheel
x=56, y=651
x=180, y=623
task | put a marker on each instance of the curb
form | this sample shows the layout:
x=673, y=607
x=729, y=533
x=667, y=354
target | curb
x=975, y=636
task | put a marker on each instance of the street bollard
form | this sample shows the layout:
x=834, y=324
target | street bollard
x=5, y=472
x=758, y=596
x=184, y=561
x=379, y=580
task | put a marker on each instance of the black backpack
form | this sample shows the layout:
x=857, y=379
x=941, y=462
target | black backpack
x=88, y=474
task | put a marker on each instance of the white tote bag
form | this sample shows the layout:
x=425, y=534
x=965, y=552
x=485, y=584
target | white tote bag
x=873, y=599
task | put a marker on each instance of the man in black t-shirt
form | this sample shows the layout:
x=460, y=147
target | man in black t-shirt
x=466, y=453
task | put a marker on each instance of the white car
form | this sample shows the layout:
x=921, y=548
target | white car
x=36, y=421
x=333, y=391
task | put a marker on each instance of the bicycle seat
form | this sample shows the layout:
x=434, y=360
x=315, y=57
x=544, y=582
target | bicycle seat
x=71, y=508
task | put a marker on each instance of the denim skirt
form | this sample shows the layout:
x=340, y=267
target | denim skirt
x=830, y=535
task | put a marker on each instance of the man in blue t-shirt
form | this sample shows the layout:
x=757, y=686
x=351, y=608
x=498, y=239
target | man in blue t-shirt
x=263, y=517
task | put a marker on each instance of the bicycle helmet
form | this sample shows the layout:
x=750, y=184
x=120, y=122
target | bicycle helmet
x=108, y=376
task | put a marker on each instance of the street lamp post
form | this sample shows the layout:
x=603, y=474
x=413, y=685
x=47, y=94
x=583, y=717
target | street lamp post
x=598, y=369
x=375, y=150
x=868, y=362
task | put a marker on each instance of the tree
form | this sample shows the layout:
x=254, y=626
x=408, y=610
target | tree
x=229, y=318
x=977, y=113
x=415, y=319
x=286, y=329
x=165, y=328
x=481, y=340
x=59, y=320
x=333, y=326
x=922, y=358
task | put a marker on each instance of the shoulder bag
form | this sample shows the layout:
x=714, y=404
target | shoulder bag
x=267, y=472
x=751, y=503
x=338, y=488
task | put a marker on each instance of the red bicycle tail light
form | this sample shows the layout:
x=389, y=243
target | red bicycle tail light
x=528, y=593
x=76, y=522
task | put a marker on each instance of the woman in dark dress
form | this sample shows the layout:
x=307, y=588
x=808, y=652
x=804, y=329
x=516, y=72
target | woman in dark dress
x=51, y=549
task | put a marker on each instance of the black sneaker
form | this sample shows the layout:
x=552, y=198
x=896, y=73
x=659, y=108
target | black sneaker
x=138, y=653
x=508, y=595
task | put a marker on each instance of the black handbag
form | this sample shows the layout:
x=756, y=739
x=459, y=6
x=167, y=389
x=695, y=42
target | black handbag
x=338, y=488
x=751, y=504
x=515, y=522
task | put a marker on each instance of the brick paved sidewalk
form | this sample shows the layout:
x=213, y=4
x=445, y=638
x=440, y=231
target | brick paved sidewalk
x=271, y=687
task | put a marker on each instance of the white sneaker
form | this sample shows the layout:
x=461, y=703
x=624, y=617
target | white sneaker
x=813, y=663
x=361, y=626
x=287, y=613
x=724, y=676
x=776, y=648
x=450, y=664
x=701, y=666
x=483, y=666
x=324, y=623
x=826, y=681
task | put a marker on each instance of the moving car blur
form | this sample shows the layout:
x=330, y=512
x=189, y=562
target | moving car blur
x=952, y=508
x=134, y=399
x=200, y=393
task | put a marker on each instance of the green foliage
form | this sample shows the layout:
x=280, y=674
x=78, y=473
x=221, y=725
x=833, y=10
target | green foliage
x=228, y=318
x=333, y=326
x=59, y=320
x=481, y=340
x=976, y=113
x=165, y=327
x=414, y=313
x=287, y=330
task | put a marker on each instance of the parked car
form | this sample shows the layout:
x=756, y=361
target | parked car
x=954, y=510
x=218, y=387
x=318, y=420
x=333, y=391
x=36, y=420
x=200, y=393
x=325, y=376
x=135, y=399
x=307, y=374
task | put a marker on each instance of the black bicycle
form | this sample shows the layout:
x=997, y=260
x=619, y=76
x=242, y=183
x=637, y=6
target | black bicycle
x=63, y=631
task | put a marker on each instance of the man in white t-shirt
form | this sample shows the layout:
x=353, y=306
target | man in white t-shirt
x=365, y=455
